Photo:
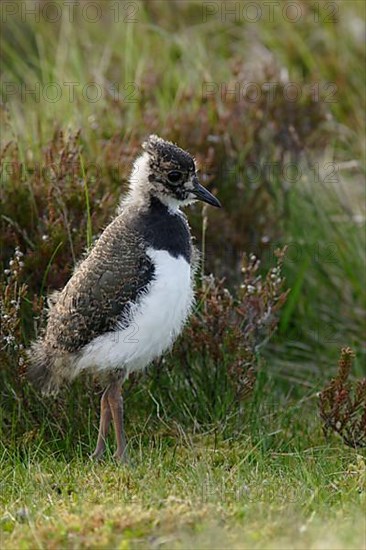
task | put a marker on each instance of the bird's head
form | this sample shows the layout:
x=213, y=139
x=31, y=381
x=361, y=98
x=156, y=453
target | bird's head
x=168, y=173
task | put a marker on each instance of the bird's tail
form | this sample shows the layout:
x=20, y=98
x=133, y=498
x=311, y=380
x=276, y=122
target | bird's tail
x=42, y=369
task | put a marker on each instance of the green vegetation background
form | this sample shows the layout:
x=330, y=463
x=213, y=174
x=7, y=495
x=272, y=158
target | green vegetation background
x=289, y=171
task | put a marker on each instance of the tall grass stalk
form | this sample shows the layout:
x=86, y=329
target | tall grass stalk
x=89, y=228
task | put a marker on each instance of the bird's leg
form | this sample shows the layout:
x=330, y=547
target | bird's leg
x=105, y=420
x=116, y=406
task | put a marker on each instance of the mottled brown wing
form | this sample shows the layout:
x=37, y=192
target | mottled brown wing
x=101, y=290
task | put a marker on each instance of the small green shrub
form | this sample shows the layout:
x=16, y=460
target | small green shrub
x=214, y=364
x=342, y=404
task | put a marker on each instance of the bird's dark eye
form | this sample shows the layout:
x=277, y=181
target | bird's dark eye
x=174, y=176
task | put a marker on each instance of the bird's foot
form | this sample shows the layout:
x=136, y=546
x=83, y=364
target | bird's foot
x=98, y=453
x=121, y=456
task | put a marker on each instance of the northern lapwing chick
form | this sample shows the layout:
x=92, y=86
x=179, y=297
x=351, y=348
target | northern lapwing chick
x=128, y=300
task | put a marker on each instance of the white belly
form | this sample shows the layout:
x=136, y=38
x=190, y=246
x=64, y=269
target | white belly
x=155, y=321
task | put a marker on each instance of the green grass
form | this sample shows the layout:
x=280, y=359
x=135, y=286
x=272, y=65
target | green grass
x=187, y=492
x=264, y=479
x=261, y=476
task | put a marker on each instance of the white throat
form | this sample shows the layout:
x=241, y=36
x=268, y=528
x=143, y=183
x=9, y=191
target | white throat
x=174, y=204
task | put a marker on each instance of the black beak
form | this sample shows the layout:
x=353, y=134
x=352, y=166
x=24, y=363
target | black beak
x=204, y=195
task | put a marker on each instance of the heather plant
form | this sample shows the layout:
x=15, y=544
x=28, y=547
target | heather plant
x=218, y=354
x=342, y=404
x=12, y=295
